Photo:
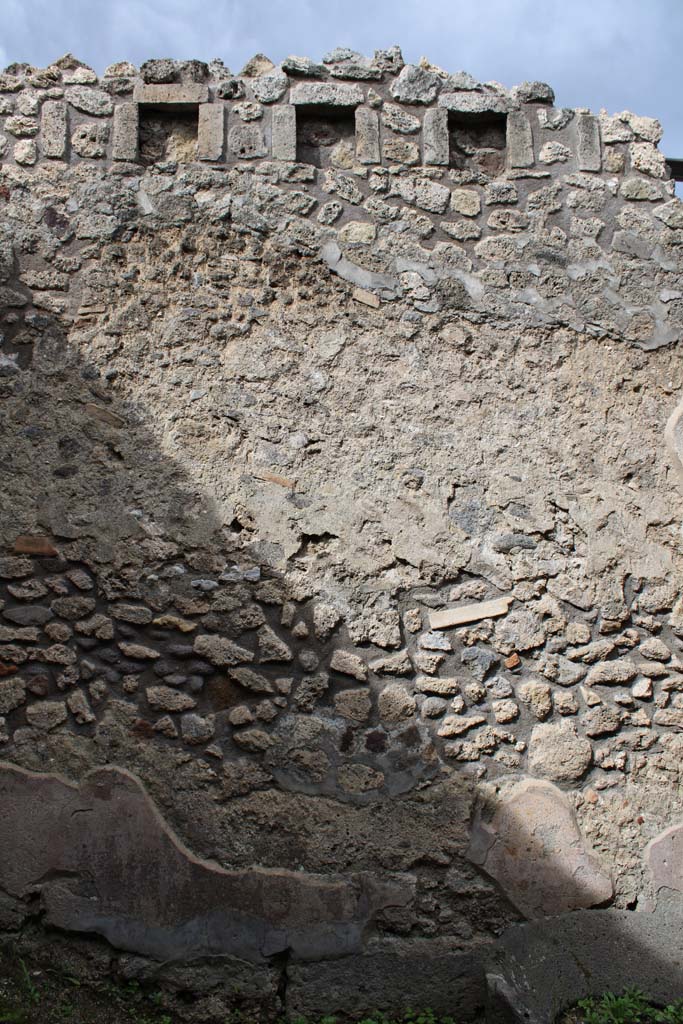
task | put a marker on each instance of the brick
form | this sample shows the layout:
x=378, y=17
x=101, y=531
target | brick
x=211, y=131
x=588, y=142
x=520, y=143
x=53, y=127
x=284, y=133
x=126, y=131
x=470, y=613
x=172, y=95
x=367, y=136
x=435, y=137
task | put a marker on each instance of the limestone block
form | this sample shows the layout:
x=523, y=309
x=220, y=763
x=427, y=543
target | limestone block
x=211, y=131
x=367, y=136
x=126, y=129
x=588, y=142
x=322, y=94
x=474, y=102
x=53, y=129
x=435, y=137
x=246, y=141
x=189, y=94
x=533, y=848
x=520, y=143
x=284, y=133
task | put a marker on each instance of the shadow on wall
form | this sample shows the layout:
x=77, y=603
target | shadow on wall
x=150, y=654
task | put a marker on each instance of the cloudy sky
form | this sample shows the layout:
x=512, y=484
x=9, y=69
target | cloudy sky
x=618, y=54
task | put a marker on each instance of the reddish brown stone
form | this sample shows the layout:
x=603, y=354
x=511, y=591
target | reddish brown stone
x=513, y=661
x=27, y=545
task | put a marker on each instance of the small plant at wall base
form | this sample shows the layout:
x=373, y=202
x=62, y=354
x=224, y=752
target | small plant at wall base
x=631, y=1007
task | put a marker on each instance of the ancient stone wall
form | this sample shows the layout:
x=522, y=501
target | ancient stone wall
x=340, y=619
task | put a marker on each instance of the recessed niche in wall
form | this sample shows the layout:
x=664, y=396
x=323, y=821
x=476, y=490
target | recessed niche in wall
x=168, y=134
x=477, y=142
x=326, y=136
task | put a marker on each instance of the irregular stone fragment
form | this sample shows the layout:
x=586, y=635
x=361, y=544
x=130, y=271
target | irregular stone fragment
x=25, y=152
x=135, y=613
x=251, y=680
x=12, y=694
x=553, y=153
x=558, y=752
x=253, y=740
x=534, y=92
x=601, y=720
x=647, y=159
x=77, y=704
x=270, y=88
x=359, y=778
x=325, y=620
x=415, y=85
x=465, y=201
x=271, y=646
x=28, y=615
x=353, y=704
x=46, y=714
x=505, y=710
x=456, y=725
x=168, y=621
x=395, y=703
x=612, y=673
x=195, y=729
x=349, y=664
x=165, y=698
x=90, y=101
x=537, y=697
x=401, y=151
x=138, y=651
x=219, y=650
x=399, y=120
x=532, y=846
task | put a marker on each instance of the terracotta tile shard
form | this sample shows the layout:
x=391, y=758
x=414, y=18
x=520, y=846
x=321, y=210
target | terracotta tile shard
x=366, y=297
x=470, y=613
x=98, y=412
x=25, y=545
x=273, y=478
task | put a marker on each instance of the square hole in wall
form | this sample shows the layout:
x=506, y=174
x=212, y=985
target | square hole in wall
x=168, y=134
x=326, y=136
x=477, y=142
